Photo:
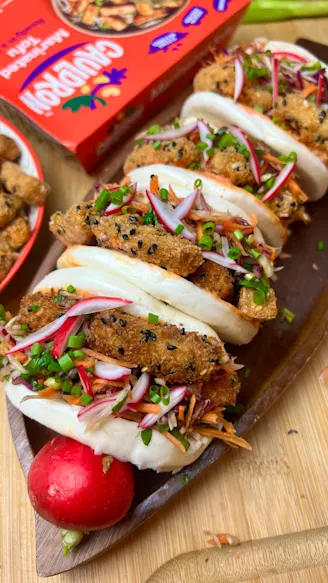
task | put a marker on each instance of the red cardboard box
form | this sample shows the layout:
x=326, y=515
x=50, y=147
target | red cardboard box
x=88, y=71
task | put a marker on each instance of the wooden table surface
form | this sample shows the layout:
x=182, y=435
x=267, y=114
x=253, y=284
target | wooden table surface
x=281, y=487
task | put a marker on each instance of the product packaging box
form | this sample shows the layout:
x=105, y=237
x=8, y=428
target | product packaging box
x=88, y=72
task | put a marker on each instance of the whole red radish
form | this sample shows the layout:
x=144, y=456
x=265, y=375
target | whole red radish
x=73, y=488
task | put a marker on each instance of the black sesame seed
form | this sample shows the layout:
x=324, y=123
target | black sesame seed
x=203, y=276
x=147, y=332
x=174, y=144
x=78, y=208
x=103, y=320
x=152, y=336
x=217, y=85
x=112, y=318
x=180, y=153
x=140, y=244
x=133, y=219
x=133, y=231
x=182, y=332
x=87, y=220
x=133, y=251
x=60, y=231
x=144, y=339
x=125, y=237
x=152, y=249
x=118, y=227
x=171, y=347
x=284, y=102
x=121, y=350
x=122, y=322
x=95, y=222
x=152, y=176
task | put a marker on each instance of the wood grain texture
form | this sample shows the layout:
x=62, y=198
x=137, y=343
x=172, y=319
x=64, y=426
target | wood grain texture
x=280, y=488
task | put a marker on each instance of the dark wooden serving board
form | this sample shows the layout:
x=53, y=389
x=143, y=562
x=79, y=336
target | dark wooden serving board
x=275, y=357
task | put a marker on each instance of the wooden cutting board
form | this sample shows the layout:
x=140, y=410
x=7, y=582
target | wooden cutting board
x=280, y=488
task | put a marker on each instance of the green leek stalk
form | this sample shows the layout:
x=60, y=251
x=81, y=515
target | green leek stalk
x=271, y=10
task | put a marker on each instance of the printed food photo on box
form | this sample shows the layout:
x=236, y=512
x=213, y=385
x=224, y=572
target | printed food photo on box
x=88, y=72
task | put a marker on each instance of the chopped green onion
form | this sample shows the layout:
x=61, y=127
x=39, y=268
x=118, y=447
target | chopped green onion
x=257, y=72
x=210, y=136
x=164, y=194
x=185, y=479
x=33, y=308
x=259, y=283
x=71, y=538
x=258, y=108
x=316, y=66
x=78, y=354
x=146, y=436
x=201, y=146
x=210, y=151
x=155, y=399
x=155, y=129
x=274, y=118
x=176, y=125
x=249, y=188
x=152, y=318
x=77, y=390
x=206, y=242
x=239, y=235
x=320, y=246
x=194, y=166
x=3, y=314
x=66, y=362
x=36, y=349
x=234, y=408
x=119, y=405
x=86, y=399
x=117, y=197
x=52, y=382
x=157, y=145
x=153, y=390
x=250, y=276
x=165, y=395
x=54, y=366
x=179, y=229
x=247, y=372
x=286, y=315
x=270, y=182
x=75, y=341
x=176, y=433
x=128, y=209
x=255, y=253
x=71, y=289
x=227, y=140
x=24, y=327
x=149, y=218
x=67, y=386
x=259, y=297
x=125, y=190
x=244, y=151
x=208, y=228
x=140, y=142
x=163, y=428
x=290, y=158
x=234, y=253
x=102, y=200
x=198, y=183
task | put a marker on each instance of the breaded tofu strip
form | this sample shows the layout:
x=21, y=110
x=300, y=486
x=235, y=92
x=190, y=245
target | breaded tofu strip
x=37, y=310
x=8, y=149
x=10, y=204
x=232, y=165
x=75, y=226
x=17, y=233
x=180, y=152
x=250, y=310
x=7, y=258
x=165, y=350
x=29, y=188
x=222, y=390
x=150, y=243
x=214, y=278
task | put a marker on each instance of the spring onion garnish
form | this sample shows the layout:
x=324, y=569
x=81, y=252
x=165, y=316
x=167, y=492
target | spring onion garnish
x=146, y=436
x=86, y=399
x=198, y=183
x=255, y=253
x=152, y=318
x=102, y=201
x=128, y=209
x=36, y=349
x=290, y=158
x=2, y=313
x=149, y=218
x=258, y=284
x=66, y=362
x=165, y=395
x=179, y=229
x=33, y=308
x=185, y=479
x=24, y=327
x=67, y=386
x=206, y=242
x=153, y=394
x=208, y=228
x=287, y=315
x=140, y=142
x=164, y=194
x=176, y=433
x=53, y=382
x=239, y=235
x=234, y=253
x=176, y=125
x=76, y=390
x=155, y=129
x=117, y=197
x=320, y=246
x=201, y=146
x=163, y=428
x=247, y=372
x=249, y=188
x=259, y=297
x=75, y=341
x=157, y=145
x=78, y=354
x=258, y=108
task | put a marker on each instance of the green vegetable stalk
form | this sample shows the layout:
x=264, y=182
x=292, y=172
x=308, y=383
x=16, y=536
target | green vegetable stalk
x=70, y=540
x=271, y=10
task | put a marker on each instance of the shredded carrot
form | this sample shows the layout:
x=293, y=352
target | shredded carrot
x=219, y=409
x=228, y=426
x=296, y=190
x=86, y=362
x=199, y=232
x=131, y=416
x=101, y=383
x=270, y=158
x=154, y=184
x=173, y=196
x=192, y=404
x=174, y=440
x=140, y=207
x=209, y=417
x=99, y=356
x=309, y=90
x=49, y=393
x=148, y=408
x=72, y=399
x=230, y=439
x=21, y=357
x=221, y=58
x=181, y=412
x=126, y=181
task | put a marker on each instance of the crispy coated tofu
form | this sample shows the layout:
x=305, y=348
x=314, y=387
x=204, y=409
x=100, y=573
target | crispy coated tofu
x=75, y=226
x=214, y=278
x=180, y=152
x=251, y=311
x=30, y=189
x=222, y=390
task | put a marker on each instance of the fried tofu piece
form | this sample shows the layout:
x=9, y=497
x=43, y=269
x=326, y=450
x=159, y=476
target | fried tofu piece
x=8, y=149
x=232, y=165
x=180, y=152
x=75, y=226
x=89, y=16
x=285, y=205
x=37, y=310
x=124, y=10
x=149, y=243
x=222, y=390
x=7, y=258
x=156, y=14
x=10, y=204
x=214, y=278
x=165, y=350
x=17, y=233
x=30, y=189
x=252, y=311
x=114, y=22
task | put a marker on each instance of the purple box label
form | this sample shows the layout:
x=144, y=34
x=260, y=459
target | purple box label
x=163, y=42
x=194, y=17
x=221, y=5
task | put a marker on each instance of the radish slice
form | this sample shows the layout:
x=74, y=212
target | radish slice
x=186, y=205
x=86, y=383
x=115, y=208
x=204, y=130
x=111, y=372
x=69, y=328
x=253, y=161
x=289, y=56
x=201, y=202
x=275, y=78
x=167, y=217
x=224, y=261
x=102, y=409
x=176, y=395
x=138, y=392
x=95, y=304
x=172, y=134
x=239, y=79
x=42, y=335
x=280, y=181
x=321, y=84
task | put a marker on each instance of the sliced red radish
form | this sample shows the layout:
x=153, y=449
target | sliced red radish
x=321, y=84
x=138, y=392
x=253, y=160
x=167, y=217
x=176, y=395
x=115, y=208
x=204, y=131
x=172, y=133
x=239, y=79
x=289, y=56
x=275, y=79
x=111, y=372
x=69, y=328
x=186, y=205
x=42, y=335
x=201, y=202
x=102, y=409
x=280, y=181
x=224, y=261
x=86, y=382
x=95, y=304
